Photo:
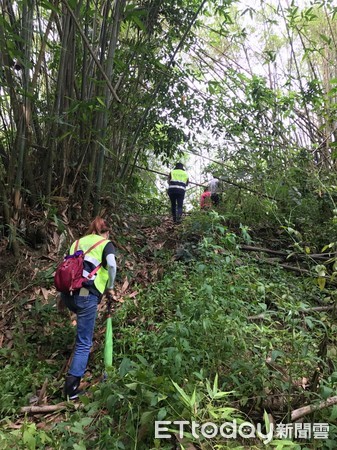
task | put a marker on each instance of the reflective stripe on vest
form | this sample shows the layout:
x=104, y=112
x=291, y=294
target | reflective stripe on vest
x=95, y=258
x=178, y=179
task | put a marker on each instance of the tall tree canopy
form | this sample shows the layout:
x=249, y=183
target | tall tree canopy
x=90, y=90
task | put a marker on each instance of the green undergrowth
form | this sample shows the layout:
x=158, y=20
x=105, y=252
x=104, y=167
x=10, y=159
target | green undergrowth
x=221, y=337
x=39, y=342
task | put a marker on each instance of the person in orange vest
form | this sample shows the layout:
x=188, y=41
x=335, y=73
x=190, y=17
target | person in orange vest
x=205, y=199
x=178, y=180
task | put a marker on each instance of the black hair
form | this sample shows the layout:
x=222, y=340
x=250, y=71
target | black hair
x=179, y=165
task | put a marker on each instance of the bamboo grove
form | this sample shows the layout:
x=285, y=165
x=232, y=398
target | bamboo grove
x=91, y=89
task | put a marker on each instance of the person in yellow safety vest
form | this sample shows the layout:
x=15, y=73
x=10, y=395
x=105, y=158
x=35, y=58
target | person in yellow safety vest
x=178, y=180
x=84, y=301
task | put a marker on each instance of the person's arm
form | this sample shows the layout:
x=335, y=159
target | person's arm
x=109, y=263
x=112, y=270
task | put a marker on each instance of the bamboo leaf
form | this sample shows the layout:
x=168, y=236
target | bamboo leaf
x=138, y=22
x=325, y=38
x=185, y=397
x=321, y=282
x=215, y=384
x=100, y=101
x=266, y=421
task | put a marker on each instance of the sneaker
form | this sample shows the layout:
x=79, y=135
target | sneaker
x=71, y=387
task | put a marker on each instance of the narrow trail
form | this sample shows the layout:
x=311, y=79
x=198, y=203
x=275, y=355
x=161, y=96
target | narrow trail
x=146, y=246
x=139, y=245
x=139, y=242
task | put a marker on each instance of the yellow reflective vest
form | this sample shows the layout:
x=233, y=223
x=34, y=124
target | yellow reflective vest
x=179, y=179
x=94, y=257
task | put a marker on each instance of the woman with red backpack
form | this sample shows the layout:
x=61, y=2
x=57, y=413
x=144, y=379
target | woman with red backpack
x=99, y=272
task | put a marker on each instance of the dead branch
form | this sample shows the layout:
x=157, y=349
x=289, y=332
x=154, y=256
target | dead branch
x=250, y=248
x=316, y=256
x=285, y=266
x=292, y=268
x=296, y=384
x=42, y=392
x=305, y=410
x=317, y=308
x=278, y=368
x=262, y=316
x=43, y=408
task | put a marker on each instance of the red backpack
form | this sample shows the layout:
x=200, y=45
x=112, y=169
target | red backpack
x=68, y=276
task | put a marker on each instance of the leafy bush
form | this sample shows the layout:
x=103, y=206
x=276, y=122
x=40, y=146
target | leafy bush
x=190, y=347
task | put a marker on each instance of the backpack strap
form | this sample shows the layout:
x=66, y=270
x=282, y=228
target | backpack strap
x=93, y=246
x=93, y=272
x=96, y=269
x=76, y=245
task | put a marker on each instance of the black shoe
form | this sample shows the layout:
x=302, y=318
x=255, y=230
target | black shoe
x=71, y=386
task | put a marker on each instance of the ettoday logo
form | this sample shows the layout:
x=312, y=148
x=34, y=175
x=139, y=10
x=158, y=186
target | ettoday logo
x=209, y=430
x=244, y=430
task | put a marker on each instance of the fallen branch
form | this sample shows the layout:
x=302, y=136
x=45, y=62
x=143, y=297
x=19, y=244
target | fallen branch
x=305, y=410
x=303, y=311
x=250, y=248
x=262, y=316
x=318, y=256
x=42, y=392
x=307, y=272
x=278, y=368
x=43, y=408
x=285, y=266
x=317, y=308
x=292, y=268
x=299, y=383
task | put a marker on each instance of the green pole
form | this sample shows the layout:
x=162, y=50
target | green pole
x=108, y=345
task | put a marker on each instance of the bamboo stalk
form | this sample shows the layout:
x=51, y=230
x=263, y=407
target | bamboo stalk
x=305, y=410
x=43, y=408
x=87, y=43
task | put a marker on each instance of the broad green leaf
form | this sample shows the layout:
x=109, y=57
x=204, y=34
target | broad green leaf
x=147, y=417
x=162, y=413
x=275, y=354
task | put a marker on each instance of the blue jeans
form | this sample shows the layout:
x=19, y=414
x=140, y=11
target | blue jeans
x=177, y=200
x=86, y=310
